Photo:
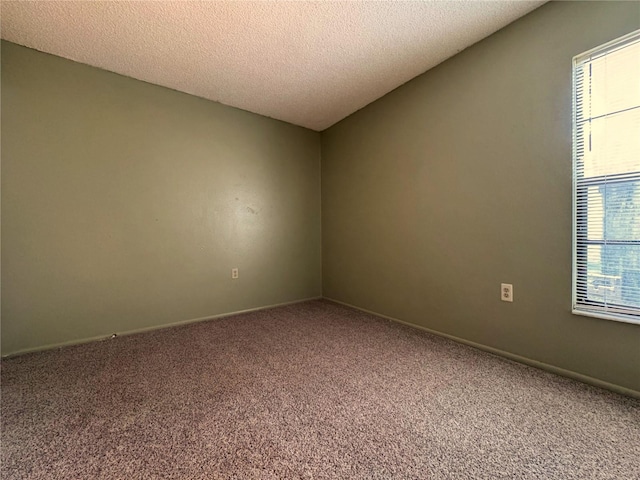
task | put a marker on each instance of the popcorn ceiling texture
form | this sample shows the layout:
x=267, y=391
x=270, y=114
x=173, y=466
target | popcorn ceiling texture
x=307, y=63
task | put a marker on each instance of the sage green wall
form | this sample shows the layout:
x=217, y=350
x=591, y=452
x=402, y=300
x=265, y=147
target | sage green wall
x=125, y=205
x=460, y=180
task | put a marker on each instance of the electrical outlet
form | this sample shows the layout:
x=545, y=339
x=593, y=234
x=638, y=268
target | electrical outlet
x=234, y=273
x=506, y=292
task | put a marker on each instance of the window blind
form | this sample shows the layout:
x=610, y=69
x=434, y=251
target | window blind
x=606, y=187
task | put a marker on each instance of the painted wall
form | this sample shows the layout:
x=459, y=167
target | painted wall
x=125, y=205
x=460, y=180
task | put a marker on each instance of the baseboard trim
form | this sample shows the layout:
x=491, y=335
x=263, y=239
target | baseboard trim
x=135, y=331
x=511, y=356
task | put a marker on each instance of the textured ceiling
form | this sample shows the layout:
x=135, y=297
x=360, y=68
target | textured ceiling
x=307, y=63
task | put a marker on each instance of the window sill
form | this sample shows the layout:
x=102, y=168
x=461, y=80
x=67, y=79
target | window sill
x=608, y=316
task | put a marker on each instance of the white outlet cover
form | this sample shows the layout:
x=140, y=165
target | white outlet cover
x=506, y=292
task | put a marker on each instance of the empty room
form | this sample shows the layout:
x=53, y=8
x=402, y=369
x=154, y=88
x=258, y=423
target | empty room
x=320, y=240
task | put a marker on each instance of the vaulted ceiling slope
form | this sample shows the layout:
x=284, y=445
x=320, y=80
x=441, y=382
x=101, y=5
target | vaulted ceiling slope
x=307, y=63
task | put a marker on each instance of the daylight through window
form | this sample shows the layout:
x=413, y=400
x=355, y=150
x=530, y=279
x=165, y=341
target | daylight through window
x=606, y=159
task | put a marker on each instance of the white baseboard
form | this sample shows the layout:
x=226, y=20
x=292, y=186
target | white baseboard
x=511, y=356
x=149, y=329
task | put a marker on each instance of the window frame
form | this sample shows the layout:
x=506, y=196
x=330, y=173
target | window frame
x=581, y=305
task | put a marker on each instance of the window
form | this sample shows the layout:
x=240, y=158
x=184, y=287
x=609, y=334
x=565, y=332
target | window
x=606, y=181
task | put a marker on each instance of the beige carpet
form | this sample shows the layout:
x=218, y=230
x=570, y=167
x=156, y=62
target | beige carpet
x=312, y=390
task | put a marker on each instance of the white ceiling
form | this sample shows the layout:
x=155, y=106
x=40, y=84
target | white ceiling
x=307, y=63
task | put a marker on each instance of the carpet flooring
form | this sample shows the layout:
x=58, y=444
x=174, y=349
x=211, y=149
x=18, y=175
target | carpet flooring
x=311, y=391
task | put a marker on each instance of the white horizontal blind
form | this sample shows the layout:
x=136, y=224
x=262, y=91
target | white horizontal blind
x=606, y=156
